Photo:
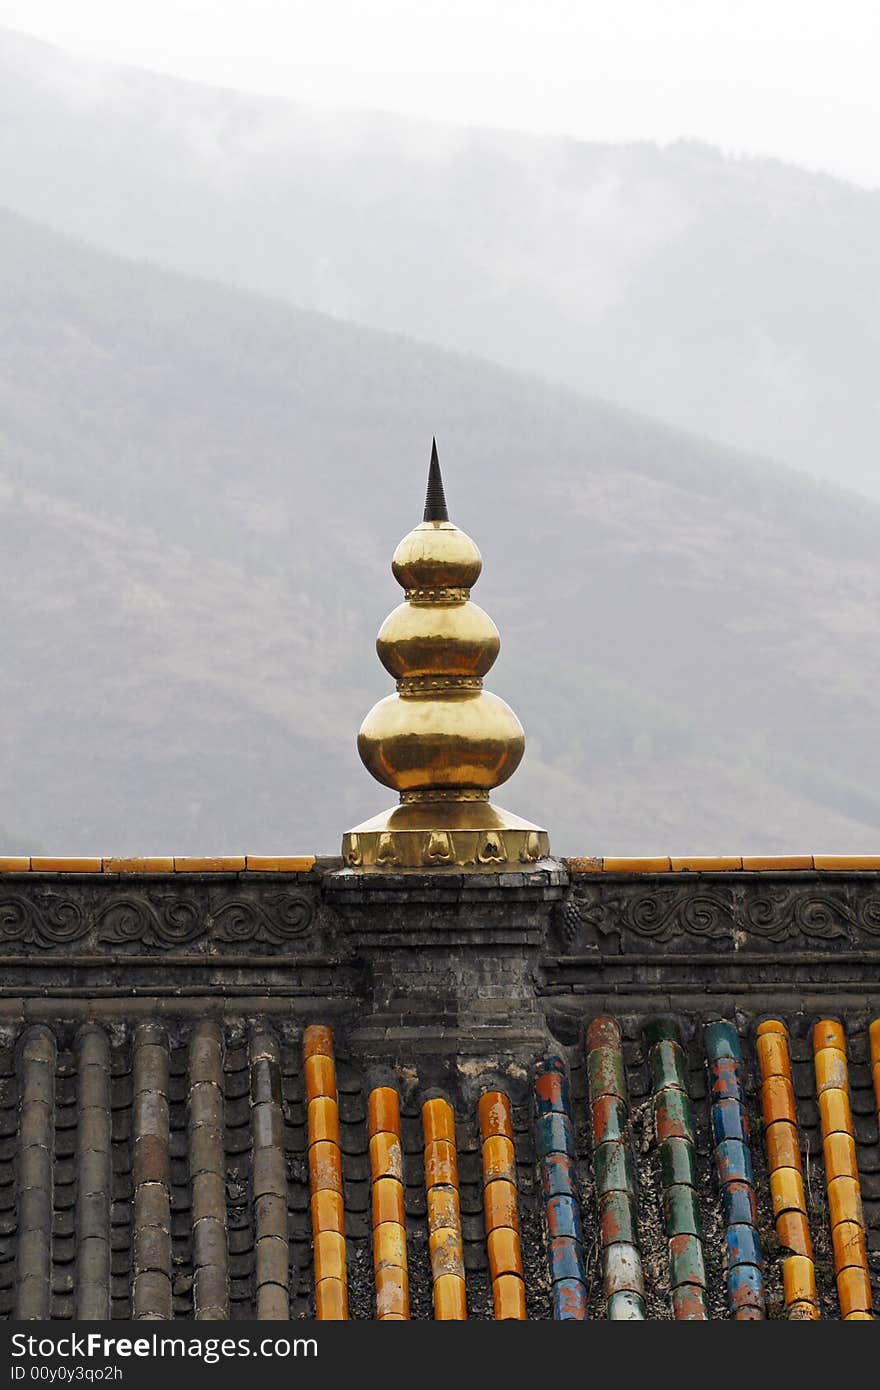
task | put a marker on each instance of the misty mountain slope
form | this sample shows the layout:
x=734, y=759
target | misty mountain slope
x=200, y=491
x=736, y=298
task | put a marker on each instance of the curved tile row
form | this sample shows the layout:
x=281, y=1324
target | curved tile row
x=624, y=1283
x=674, y=1130
x=226, y=1171
x=783, y=1147
x=555, y=1146
x=390, y=1266
x=501, y=1207
x=325, y=1175
x=444, y=1212
x=841, y=1171
x=734, y=1172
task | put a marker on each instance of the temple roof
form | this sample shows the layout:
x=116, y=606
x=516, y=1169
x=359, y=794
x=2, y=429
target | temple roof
x=596, y=1088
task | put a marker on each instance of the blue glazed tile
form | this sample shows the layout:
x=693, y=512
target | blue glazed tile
x=554, y=1134
x=743, y=1246
x=729, y=1121
x=558, y=1176
x=738, y=1204
x=725, y=1077
x=564, y=1217
x=734, y=1162
x=552, y=1093
x=722, y=1040
x=568, y=1299
x=745, y=1287
x=566, y=1259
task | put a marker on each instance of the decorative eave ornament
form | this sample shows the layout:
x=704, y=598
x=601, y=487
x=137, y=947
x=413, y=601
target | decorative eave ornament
x=442, y=742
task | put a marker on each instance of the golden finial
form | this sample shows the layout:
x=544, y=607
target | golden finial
x=442, y=741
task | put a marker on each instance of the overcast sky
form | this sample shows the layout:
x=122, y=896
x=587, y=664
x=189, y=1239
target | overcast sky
x=792, y=78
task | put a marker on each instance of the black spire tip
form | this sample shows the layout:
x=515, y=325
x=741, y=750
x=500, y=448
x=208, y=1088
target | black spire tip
x=435, y=501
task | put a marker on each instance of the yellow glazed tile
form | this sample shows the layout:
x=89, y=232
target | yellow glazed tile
x=325, y=1167
x=630, y=865
x=386, y=1157
x=773, y=1058
x=844, y=1201
x=793, y=1231
x=318, y=1041
x=155, y=865
x=450, y=1302
x=383, y=1111
x=443, y=1209
x=389, y=1244
x=802, y=1312
x=323, y=1116
x=447, y=1252
x=441, y=1165
x=847, y=861
x=499, y=1159
x=783, y=1150
x=329, y=1256
x=280, y=864
x=45, y=864
x=320, y=1075
x=499, y=1204
x=840, y=1157
x=829, y=1033
x=799, y=1280
x=787, y=1191
x=771, y=1025
x=495, y=1116
x=783, y=863
x=331, y=1301
x=13, y=865
x=777, y=1100
x=831, y=1070
x=850, y=1247
x=328, y=1211
x=392, y=1292
x=505, y=1256
x=438, y=1121
x=835, y=1112
x=509, y=1297
x=209, y=864
x=874, y=1038
x=706, y=863
x=387, y=1201
x=854, y=1291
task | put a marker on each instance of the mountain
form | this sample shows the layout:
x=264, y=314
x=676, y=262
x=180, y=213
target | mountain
x=200, y=491
x=735, y=298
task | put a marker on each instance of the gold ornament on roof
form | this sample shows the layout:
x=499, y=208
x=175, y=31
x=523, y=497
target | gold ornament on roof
x=442, y=741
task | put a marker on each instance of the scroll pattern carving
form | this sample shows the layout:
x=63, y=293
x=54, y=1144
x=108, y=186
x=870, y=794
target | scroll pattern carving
x=159, y=921
x=740, y=914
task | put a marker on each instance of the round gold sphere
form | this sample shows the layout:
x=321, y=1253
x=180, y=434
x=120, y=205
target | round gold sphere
x=473, y=739
x=432, y=640
x=436, y=555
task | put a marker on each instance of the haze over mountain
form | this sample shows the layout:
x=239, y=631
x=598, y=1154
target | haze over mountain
x=200, y=491
x=736, y=298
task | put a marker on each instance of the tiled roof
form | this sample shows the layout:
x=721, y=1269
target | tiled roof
x=181, y=1171
x=624, y=1092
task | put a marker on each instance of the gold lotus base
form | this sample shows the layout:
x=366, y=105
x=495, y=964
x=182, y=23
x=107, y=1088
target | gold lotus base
x=469, y=836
